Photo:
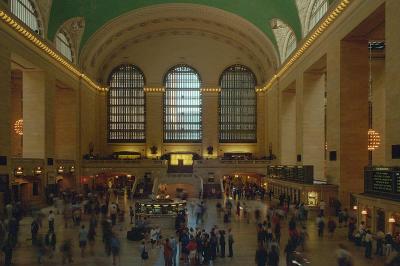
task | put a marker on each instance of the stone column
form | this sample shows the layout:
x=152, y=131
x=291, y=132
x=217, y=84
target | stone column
x=299, y=118
x=261, y=124
x=34, y=114
x=313, y=125
x=392, y=89
x=154, y=119
x=210, y=120
x=5, y=115
x=353, y=117
x=288, y=125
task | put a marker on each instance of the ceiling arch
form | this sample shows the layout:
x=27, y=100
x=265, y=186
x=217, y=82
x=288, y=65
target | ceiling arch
x=120, y=38
x=98, y=12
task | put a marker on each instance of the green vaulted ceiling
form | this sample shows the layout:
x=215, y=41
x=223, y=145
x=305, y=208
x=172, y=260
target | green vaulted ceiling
x=98, y=12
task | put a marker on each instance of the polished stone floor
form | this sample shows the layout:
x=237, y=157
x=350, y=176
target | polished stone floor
x=318, y=251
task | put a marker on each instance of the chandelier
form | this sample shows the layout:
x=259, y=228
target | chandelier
x=19, y=126
x=374, y=140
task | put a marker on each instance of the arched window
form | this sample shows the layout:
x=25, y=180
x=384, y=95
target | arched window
x=318, y=10
x=237, y=105
x=182, y=105
x=126, y=105
x=290, y=44
x=26, y=12
x=63, y=45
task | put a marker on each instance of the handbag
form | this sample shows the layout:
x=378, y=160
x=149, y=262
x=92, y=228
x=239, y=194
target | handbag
x=145, y=255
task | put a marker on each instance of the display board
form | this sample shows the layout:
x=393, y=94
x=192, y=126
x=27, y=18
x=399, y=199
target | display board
x=384, y=181
x=295, y=173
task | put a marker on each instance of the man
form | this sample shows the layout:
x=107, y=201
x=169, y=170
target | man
x=34, y=230
x=131, y=213
x=322, y=206
x=230, y=242
x=51, y=219
x=261, y=255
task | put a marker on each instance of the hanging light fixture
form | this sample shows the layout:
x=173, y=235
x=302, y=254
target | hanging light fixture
x=392, y=220
x=19, y=127
x=364, y=212
x=374, y=140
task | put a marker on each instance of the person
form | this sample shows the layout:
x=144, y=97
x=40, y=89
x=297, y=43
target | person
x=83, y=238
x=379, y=243
x=51, y=219
x=388, y=243
x=343, y=256
x=115, y=247
x=289, y=249
x=174, y=246
x=8, y=252
x=192, y=248
x=91, y=236
x=322, y=206
x=302, y=237
x=273, y=256
x=230, y=242
x=144, y=254
x=66, y=251
x=331, y=227
x=50, y=241
x=131, y=214
x=238, y=208
x=167, y=253
x=222, y=243
x=261, y=255
x=34, y=230
x=277, y=231
x=113, y=213
x=40, y=249
x=321, y=225
x=368, y=244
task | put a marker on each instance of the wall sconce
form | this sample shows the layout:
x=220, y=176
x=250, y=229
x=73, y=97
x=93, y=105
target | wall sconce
x=60, y=169
x=364, y=212
x=19, y=171
x=392, y=220
x=19, y=127
x=72, y=169
x=355, y=207
x=38, y=170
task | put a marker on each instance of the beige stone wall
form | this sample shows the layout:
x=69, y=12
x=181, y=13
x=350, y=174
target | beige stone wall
x=288, y=125
x=16, y=112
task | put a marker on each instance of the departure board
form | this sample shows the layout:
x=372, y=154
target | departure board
x=296, y=173
x=383, y=181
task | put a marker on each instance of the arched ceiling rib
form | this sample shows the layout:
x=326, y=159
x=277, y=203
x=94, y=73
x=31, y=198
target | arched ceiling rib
x=98, y=12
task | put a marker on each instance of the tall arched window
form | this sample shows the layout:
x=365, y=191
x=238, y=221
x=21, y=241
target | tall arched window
x=290, y=44
x=182, y=105
x=126, y=105
x=237, y=105
x=63, y=45
x=26, y=12
x=318, y=10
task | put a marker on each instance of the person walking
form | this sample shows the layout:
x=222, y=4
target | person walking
x=343, y=256
x=66, y=251
x=380, y=236
x=174, y=246
x=167, y=253
x=83, y=239
x=321, y=225
x=34, y=230
x=331, y=227
x=222, y=243
x=91, y=236
x=8, y=252
x=261, y=255
x=131, y=214
x=50, y=241
x=144, y=254
x=115, y=248
x=230, y=242
x=273, y=256
x=368, y=244
x=51, y=219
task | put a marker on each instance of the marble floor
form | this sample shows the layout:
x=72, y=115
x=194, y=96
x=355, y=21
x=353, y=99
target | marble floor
x=320, y=251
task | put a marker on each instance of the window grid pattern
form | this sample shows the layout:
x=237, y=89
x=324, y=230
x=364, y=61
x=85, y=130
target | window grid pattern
x=63, y=45
x=317, y=12
x=25, y=11
x=182, y=105
x=238, y=106
x=126, y=105
x=291, y=44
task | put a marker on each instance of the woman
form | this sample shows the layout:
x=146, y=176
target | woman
x=144, y=254
x=83, y=239
x=167, y=253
